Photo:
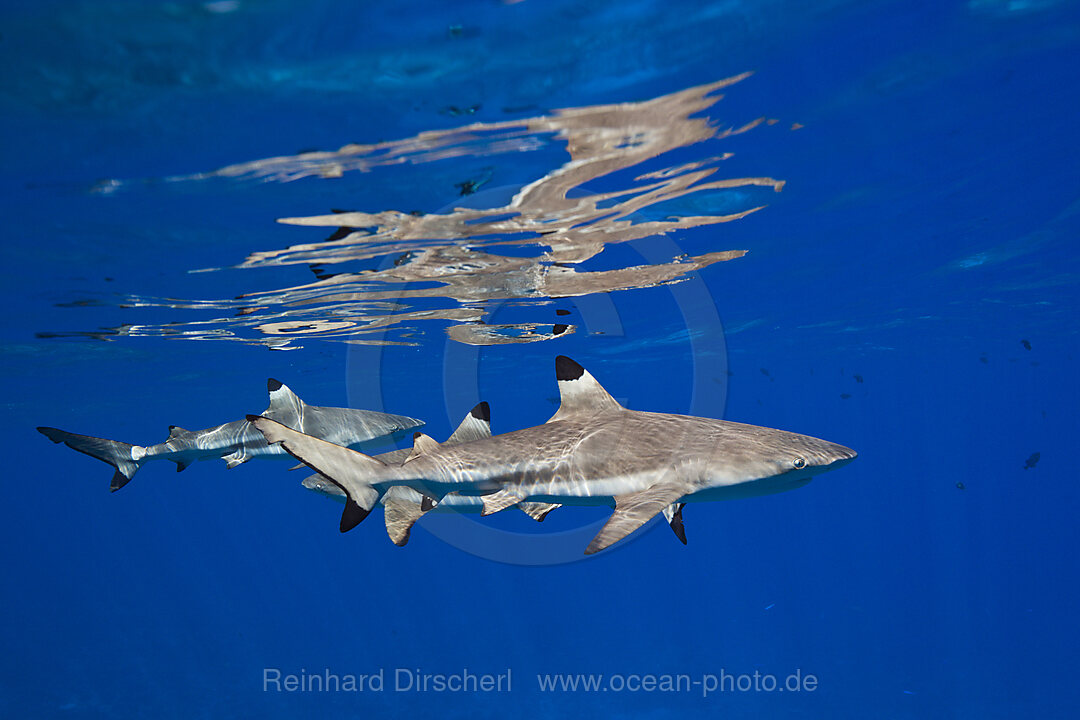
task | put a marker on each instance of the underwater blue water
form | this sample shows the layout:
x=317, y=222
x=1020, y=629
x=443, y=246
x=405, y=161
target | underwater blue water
x=925, y=232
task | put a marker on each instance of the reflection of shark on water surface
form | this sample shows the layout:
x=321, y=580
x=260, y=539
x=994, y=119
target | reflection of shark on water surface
x=591, y=452
x=237, y=442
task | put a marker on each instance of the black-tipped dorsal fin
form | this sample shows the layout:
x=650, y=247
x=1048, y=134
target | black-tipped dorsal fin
x=421, y=444
x=580, y=393
x=176, y=431
x=476, y=425
x=285, y=406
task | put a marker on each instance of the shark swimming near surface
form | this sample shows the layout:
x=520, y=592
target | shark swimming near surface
x=403, y=506
x=237, y=442
x=592, y=451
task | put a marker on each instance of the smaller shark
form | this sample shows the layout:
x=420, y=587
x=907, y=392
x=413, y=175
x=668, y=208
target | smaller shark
x=237, y=442
x=403, y=506
x=592, y=451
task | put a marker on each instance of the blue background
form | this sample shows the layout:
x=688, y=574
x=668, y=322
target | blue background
x=928, y=226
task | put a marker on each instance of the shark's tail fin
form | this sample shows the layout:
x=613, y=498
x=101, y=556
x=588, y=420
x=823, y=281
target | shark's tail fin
x=351, y=471
x=118, y=454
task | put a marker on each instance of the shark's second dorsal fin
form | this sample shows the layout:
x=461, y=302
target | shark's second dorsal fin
x=285, y=406
x=421, y=444
x=175, y=431
x=580, y=393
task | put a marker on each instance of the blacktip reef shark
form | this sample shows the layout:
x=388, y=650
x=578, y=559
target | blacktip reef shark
x=237, y=442
x=592, y=451
x=403, y=506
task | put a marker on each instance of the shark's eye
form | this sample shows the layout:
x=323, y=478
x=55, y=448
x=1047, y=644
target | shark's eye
x=798, y=463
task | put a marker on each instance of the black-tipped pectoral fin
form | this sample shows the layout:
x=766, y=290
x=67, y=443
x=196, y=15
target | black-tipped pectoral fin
x=673, y=514
x=632, y=511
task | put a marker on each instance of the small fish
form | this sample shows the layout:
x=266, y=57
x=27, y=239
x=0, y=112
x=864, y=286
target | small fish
x=858, y=379
x=845, y=396
x=983, y=360
x=770, y=607
x=1032, y=461
x=1026, y=344
x=960, y=486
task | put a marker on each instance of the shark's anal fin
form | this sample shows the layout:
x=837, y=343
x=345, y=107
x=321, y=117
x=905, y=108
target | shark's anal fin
x=632, y=511
x=537, y=510
x=673, y=514
x=500, y=500
x=580, y=393
x=182, y=465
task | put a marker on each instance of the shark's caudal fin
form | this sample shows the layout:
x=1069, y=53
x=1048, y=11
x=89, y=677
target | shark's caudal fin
x=348, y=469
x=580, y=393
x=118, y=454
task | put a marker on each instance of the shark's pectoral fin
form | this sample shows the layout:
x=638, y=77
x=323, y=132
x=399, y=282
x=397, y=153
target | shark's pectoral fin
x=401, y=514
x=537, y=510
x=632, y=511
x=673, y=514
x=235, y=458
x=500, y=500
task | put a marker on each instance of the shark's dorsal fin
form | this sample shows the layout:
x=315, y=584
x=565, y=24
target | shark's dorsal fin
x=285, y=406
x=422, y=444
x=476, y=425
x=175, y=431
x=580, y=393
